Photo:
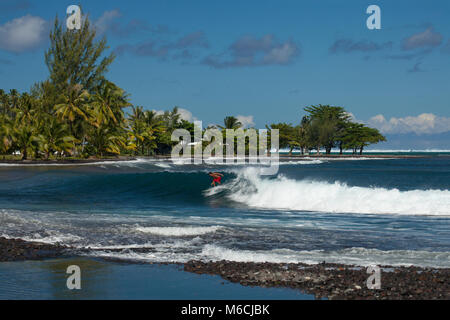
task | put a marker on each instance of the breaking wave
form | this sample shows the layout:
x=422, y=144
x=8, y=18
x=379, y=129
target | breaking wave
x=303, y=195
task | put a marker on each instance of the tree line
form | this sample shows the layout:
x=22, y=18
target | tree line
x=79, y=113
x=326, y=127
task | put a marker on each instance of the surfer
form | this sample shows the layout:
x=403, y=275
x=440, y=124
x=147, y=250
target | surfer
x=216, y=177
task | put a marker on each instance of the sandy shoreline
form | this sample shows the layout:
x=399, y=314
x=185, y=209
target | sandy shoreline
x=332, y=281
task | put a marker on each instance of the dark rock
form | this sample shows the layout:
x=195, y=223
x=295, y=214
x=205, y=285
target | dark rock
x=16, y=250
x=333, y=281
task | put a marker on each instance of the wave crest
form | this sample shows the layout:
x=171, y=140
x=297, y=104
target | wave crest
x=283, y=193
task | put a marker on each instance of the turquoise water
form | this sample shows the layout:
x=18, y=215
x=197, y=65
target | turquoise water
x=359, y=211
x=39, y=280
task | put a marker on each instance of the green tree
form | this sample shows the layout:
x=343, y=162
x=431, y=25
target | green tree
x=75, y=57
x=145, y=130
x=108, y=101
x=231, y=122
x=74, y=106
x=287, y=135
x=26, y=108
x=4, y=103
x=327, y=123
x=25, y=138
x=13, y=99
x=105, y=140
x=370, y=136
x=357, y=136
x=54, y=137
x=6, y=134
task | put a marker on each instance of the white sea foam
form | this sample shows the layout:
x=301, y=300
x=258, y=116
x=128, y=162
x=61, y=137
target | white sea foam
x=55, y=238
x=163, y=165
x=283, y=193
x=178, y=231
x=162, y=246
x=124, y=241
x=356, y=256
x=130, y=255
x=301, y=162
x=353, y=256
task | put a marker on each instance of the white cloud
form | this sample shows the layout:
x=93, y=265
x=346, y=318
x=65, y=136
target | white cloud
x=106, y=20
x=428, y=38
x=353, y=117
x=186, y=115
x=281, y=55
x=426, y=123
x=22, y=34
x=247, y=121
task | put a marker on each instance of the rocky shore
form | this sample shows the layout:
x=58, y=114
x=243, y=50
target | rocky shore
x=17, y=250
x=334, y=281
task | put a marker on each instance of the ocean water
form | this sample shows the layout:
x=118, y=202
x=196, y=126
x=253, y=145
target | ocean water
x=106, y=280
x=358, y=211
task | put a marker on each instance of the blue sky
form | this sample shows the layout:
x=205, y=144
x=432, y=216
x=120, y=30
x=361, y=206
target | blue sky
x=260, y=60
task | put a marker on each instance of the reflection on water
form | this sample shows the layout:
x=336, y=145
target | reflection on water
x=111, y=280
x=91, y=270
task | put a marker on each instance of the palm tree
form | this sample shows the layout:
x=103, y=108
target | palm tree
x=54, y=137
x=145, y=126
x=4, y=102
x=231, y=123
x=151, y=118
x=6, y=134
x=74, y=105
x=26, y=108
x=138, y=113
x=171, y=118
x=106, y=140
x=25, y=138
x=108, y=102
x=14, y=98
x=136, y=128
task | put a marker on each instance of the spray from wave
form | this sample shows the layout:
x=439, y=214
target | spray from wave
x=252, y=189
